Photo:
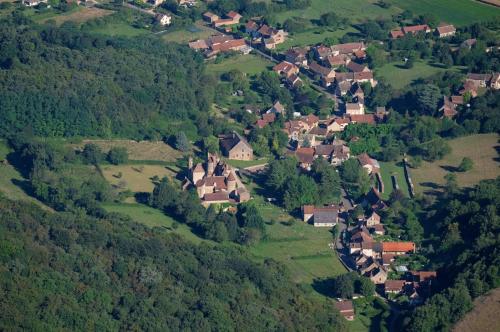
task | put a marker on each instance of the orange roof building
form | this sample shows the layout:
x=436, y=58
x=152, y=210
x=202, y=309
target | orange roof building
x=398, y=247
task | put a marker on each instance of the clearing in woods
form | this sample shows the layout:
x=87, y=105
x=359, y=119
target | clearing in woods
x=136, y=178
x=83, y=14
x=143, y=150
x=481, y=148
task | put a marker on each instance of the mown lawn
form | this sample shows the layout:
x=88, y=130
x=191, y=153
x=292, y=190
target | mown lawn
x=399, y=77
x=482, y=149
x=459, y=12
x=250, y=64
x=387, y=169
x=152, y=218
x=247, y=163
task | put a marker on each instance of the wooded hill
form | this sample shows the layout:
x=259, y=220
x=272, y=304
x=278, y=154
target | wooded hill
x=66, y=271
x=63, y=82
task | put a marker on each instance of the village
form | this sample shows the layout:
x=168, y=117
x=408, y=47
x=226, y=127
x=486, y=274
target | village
x=230, y=174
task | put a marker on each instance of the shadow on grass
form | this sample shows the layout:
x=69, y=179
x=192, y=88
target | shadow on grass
x=324, y=286
x=449, y=168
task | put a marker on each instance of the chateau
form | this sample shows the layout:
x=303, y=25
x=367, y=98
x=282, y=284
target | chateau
x=215, y=182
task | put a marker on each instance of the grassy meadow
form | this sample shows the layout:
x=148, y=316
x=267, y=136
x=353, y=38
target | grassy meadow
x=387, y=169
x=184, y=36
x=250, y=64
x=301, y=247
x=153, y=218
x=459, y=12
x=399, y=77
x=482, y=149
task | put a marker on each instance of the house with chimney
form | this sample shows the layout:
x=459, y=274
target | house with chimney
x=286, y=69
x=233, y=146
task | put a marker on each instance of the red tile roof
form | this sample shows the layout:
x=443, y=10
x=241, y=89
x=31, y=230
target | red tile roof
x=394, y=285
x=416, y=28
x=398, y=246
x=363, y=118
x=308, y=209
x=445, y=29
x=214, y=197
x=305, y=155
x=397, y=33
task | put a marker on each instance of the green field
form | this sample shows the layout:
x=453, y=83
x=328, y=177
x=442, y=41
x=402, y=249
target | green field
x=247, y=163
x=250, y=64
x=459, y=12
x=11, y=181
x=301, y=247
x=186, y=35
x=313, y=36
x=152, y=218
x=395, y=74
x=393, y=168
x=120, y=29
x=482, y=149
x=355, y=10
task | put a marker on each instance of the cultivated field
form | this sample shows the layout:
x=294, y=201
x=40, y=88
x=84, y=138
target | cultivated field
x=395, y=74
x=81, y=15
x=250, y=64
x=482, y=149
x=136, y=178
x=484, y=316
x=143, y=150
x=152, y=218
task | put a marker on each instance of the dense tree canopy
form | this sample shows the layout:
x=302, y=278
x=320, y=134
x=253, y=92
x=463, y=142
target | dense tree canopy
x=62, y=82
x=62, y=271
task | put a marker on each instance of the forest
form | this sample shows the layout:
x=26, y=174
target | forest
x=64, y=82
x=462, y=228
x=67, y=271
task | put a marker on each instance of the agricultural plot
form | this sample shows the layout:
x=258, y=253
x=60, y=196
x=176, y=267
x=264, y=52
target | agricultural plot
x=482, y=149
x=153, y=218
x=313, y=36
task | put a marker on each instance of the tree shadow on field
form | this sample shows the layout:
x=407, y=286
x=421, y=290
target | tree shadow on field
x=324, y=286
x=449, y=168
